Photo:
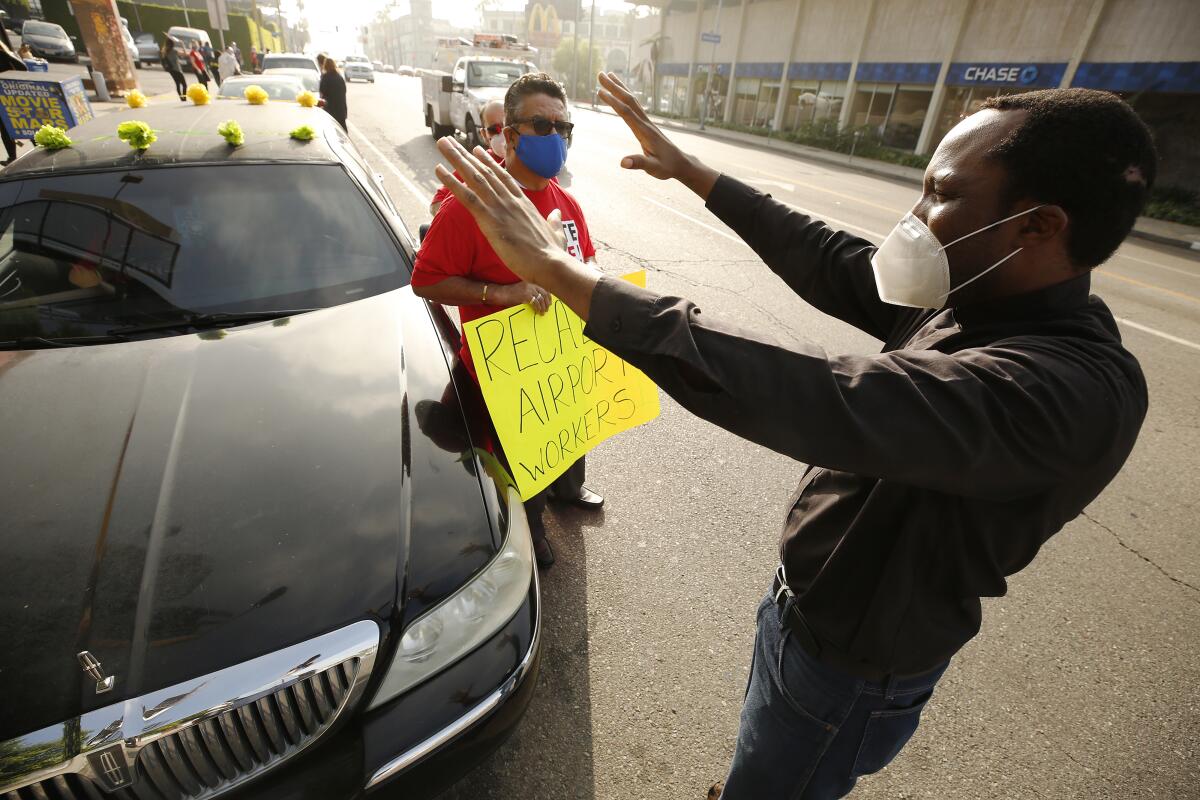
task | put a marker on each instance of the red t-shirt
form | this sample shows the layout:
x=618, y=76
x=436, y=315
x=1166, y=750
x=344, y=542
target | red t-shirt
x=455, y=247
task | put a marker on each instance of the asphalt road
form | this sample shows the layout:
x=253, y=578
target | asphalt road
x=1082, y=681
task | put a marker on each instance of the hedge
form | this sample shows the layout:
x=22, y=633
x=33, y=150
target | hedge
x=157, y=19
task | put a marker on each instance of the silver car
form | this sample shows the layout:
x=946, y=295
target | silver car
x=359, y=69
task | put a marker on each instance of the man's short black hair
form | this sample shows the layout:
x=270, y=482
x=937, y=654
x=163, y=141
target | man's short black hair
x=529, y=84
x=1087, y=152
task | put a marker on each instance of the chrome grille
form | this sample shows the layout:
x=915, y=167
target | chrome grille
x=198, y=738
x=206, y=758
x=64, y=787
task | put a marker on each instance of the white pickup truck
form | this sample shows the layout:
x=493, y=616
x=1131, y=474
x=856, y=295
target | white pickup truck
x=454, y=101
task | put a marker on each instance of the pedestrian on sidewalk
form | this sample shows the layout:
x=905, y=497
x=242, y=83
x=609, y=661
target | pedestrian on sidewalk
x=198, y=66
x=333, y=92
x=171, y=63
x=1002, y=404
x=227, y=65
x=253, y=59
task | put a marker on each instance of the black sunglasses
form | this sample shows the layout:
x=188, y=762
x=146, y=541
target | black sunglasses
x=543, y=126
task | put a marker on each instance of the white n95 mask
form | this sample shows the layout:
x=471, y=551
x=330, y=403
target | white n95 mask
x=498, y=144
x=911, y=268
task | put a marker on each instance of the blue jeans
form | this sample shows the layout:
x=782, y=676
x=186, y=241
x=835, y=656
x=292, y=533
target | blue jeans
x=808, y=730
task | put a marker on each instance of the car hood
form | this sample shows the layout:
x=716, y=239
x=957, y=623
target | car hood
x=182, y=504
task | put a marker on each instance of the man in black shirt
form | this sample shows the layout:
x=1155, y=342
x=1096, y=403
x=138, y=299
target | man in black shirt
x=1001, y=404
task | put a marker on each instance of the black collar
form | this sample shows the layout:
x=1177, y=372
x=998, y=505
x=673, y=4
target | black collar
x=1070, y=294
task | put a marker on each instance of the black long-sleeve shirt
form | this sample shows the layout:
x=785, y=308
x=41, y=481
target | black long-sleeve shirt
x=937, y=467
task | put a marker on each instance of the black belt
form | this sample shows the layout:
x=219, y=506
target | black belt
x=794, y=621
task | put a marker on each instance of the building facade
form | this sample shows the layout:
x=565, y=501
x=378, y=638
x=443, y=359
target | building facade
x=907, y=71
x=408, y=38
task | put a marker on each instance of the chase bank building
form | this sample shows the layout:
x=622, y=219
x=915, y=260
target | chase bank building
x=909, y=70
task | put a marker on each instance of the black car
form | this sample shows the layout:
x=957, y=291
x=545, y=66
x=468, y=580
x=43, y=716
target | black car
x=255, y=543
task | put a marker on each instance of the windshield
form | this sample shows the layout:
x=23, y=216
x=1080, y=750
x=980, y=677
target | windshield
x=276, y=62
x=44, y=29
x=276, y=89
x=83, y=254
x=499, y=74
x=310, y=79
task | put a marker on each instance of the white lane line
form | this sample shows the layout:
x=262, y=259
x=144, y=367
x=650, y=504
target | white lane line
x=1156, y=332
x=695, y=221
x=1189, y=273
x=422, y=196
x=734, y=238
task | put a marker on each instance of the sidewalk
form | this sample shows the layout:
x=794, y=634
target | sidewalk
x=1155, y=230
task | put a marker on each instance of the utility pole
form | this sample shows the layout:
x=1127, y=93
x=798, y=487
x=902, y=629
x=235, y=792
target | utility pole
x=591, y=73
x=712, y=64
x=575, y=52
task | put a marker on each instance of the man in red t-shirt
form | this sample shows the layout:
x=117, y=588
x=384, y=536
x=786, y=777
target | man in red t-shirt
x=456, y=266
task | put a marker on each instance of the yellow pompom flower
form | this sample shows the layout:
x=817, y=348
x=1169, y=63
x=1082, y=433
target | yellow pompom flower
x=304, y=133
x=232, y=132
x=137, y=134
x=256, y=95
x=51, y=138
x=136, y=99
x=198, y=94
x=307, y=99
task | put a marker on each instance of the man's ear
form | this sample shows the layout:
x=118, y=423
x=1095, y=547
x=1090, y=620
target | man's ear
x=1039, y=227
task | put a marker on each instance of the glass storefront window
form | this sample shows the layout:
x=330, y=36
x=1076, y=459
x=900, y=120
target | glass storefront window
x=745, y=100
x=906, y=116
x=872, y=102
x=813, y=101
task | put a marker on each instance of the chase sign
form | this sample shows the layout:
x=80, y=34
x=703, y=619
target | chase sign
x=1016, y=76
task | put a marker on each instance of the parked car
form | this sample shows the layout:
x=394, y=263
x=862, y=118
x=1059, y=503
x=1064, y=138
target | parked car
x=131, y=47
x=48, y=40
x=290, y=61
x=147, y=48
x=405, y=70
x=184, y=38
x=255, y=544
x=277, y=87
x=377, y=65
x=310, y=79
x=389, y=68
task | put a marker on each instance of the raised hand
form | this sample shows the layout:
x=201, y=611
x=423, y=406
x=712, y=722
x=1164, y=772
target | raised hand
x=660, y=157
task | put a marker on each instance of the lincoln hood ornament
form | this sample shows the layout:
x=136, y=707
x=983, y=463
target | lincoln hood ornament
x=91, y=666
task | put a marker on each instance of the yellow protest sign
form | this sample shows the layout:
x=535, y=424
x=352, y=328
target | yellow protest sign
x=553, y=394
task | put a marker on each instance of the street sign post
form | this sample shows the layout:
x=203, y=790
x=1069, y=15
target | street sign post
x=218, y=14
x=715, y=39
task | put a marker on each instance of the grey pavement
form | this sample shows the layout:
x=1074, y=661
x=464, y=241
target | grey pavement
x=1081, y=683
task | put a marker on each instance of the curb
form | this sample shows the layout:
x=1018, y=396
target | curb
x=866, y=167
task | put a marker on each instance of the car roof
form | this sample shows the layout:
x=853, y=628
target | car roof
x=187, y=134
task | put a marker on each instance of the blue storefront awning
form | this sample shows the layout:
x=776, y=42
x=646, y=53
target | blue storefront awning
x=1016, y=75
x=819, y=71
x=1139, y=76
x=897, y=72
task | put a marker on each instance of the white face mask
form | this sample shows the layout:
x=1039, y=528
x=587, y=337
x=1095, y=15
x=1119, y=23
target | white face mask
x=498, y=144
x=911, y=268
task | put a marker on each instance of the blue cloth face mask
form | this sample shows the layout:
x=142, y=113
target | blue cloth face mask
x=545, y=155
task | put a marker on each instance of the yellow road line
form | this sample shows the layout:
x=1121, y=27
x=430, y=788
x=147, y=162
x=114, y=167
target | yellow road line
x=1144, y=285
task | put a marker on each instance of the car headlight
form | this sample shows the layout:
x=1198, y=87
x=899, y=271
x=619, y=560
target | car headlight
x=467, y=618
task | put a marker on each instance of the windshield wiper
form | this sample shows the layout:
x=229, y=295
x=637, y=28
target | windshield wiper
x=201, y=322
x=44, y=342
